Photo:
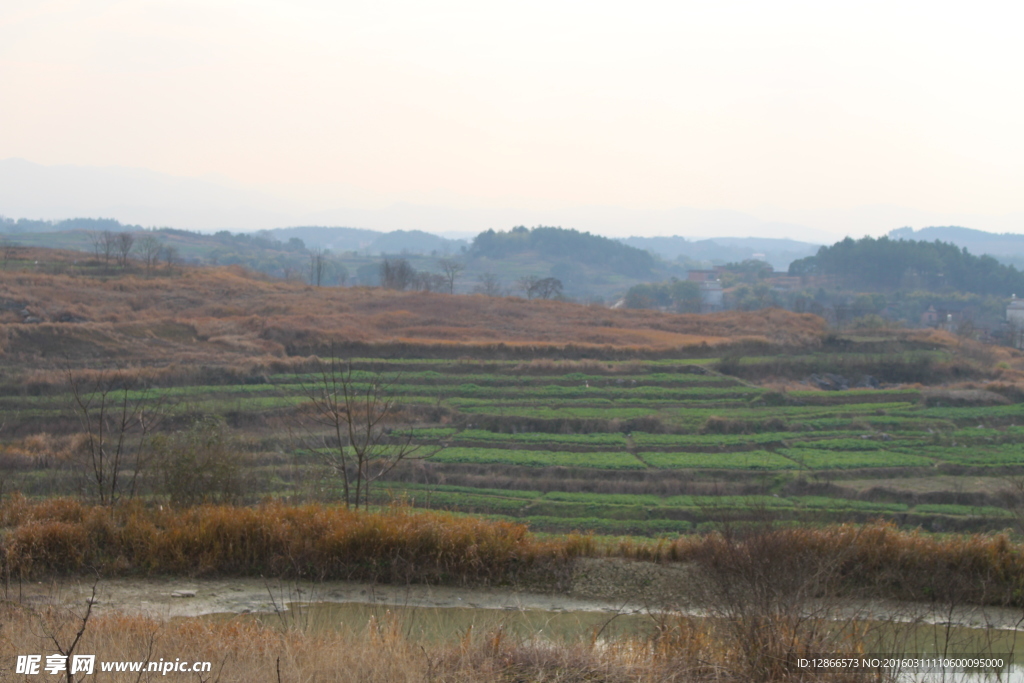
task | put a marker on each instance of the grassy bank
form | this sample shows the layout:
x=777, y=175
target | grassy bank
x=400, y=545
x=246, y=649
x=310, y=541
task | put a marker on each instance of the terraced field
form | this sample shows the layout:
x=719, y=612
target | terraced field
x=629, y=447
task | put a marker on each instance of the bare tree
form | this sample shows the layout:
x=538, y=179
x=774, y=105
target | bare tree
x=59, y=625
x=397, y=274
x=527, y=284
x=358, y=414
x=170, y=255
x=545, y=288
x=430, y=282
x=96, y=240
x=117, y=418
x=9, y=251
x=105, y=245
x=124, y=243
x=771, y=597
x=150, y=248
x=317, y=266
x=488, y=284
x=451, y=268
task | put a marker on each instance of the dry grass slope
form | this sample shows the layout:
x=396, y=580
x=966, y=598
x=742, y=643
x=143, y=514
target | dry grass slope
x=223, y=314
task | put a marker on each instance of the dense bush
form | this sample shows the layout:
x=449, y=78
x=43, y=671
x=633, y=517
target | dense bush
x=199, y=465
x=309, y=541
x=875, y=560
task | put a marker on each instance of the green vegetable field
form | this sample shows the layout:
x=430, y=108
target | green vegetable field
x=639, y=447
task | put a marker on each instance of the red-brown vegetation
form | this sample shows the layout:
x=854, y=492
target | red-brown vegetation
x=209, y=314
x=311, y=541
x=248, y=648
x=321, y=542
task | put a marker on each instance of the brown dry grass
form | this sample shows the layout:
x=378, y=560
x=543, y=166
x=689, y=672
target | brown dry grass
x=247, y=649
x=212, y=314
x=60, y=536
x=274, y=539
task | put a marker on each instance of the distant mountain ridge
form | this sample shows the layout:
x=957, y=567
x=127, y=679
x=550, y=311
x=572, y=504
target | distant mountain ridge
x=565, y=245
x=779, y=252
x=27, y=225
x=368, y=241
x=335, y=239
x=1007, y=248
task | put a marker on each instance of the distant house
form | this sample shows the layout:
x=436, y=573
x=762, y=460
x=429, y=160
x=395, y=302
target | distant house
x=1015, y=321
x=711, y=296
x=702, y=275
x=930, y=318
x=785, y=283
x=947, y=316
x=1015, y=311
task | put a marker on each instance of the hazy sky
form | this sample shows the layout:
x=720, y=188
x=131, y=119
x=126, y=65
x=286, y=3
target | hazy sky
x=780, y=109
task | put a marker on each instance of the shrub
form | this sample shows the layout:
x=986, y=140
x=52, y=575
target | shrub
x=308, y=541
x=199, y=465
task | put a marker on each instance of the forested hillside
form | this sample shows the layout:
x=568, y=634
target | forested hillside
x=879, y=264
x=10, y=225
x=560, y=243
x=1007, y=248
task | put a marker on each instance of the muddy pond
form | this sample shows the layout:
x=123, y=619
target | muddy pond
x=442, y=612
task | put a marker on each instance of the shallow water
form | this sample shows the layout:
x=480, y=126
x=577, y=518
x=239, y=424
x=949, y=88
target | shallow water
x=446, y=612
x=445, y=623
x=433, y=623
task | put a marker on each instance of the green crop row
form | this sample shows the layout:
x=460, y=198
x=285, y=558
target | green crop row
x=470, y=363
x=1015, y=410
x=889, y=423
x=743, y=460
x=454, y=436
x=490, y=504
x=608, y=527
x=838, y=460
x=868, y=395
x=509, y=456
x=712, y=440
x=447, y=488
x=528, y=395
x=700, y=502
x=962, y=510
x=521, y=404
x=844, y=445
x=556, y=392
x=1005, y=454
x=707, y=440
x=549, y=413
x=826, y=503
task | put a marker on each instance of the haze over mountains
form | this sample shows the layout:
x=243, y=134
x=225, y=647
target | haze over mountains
x=369, y=241
x=1007, y=248
x=148, y=198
